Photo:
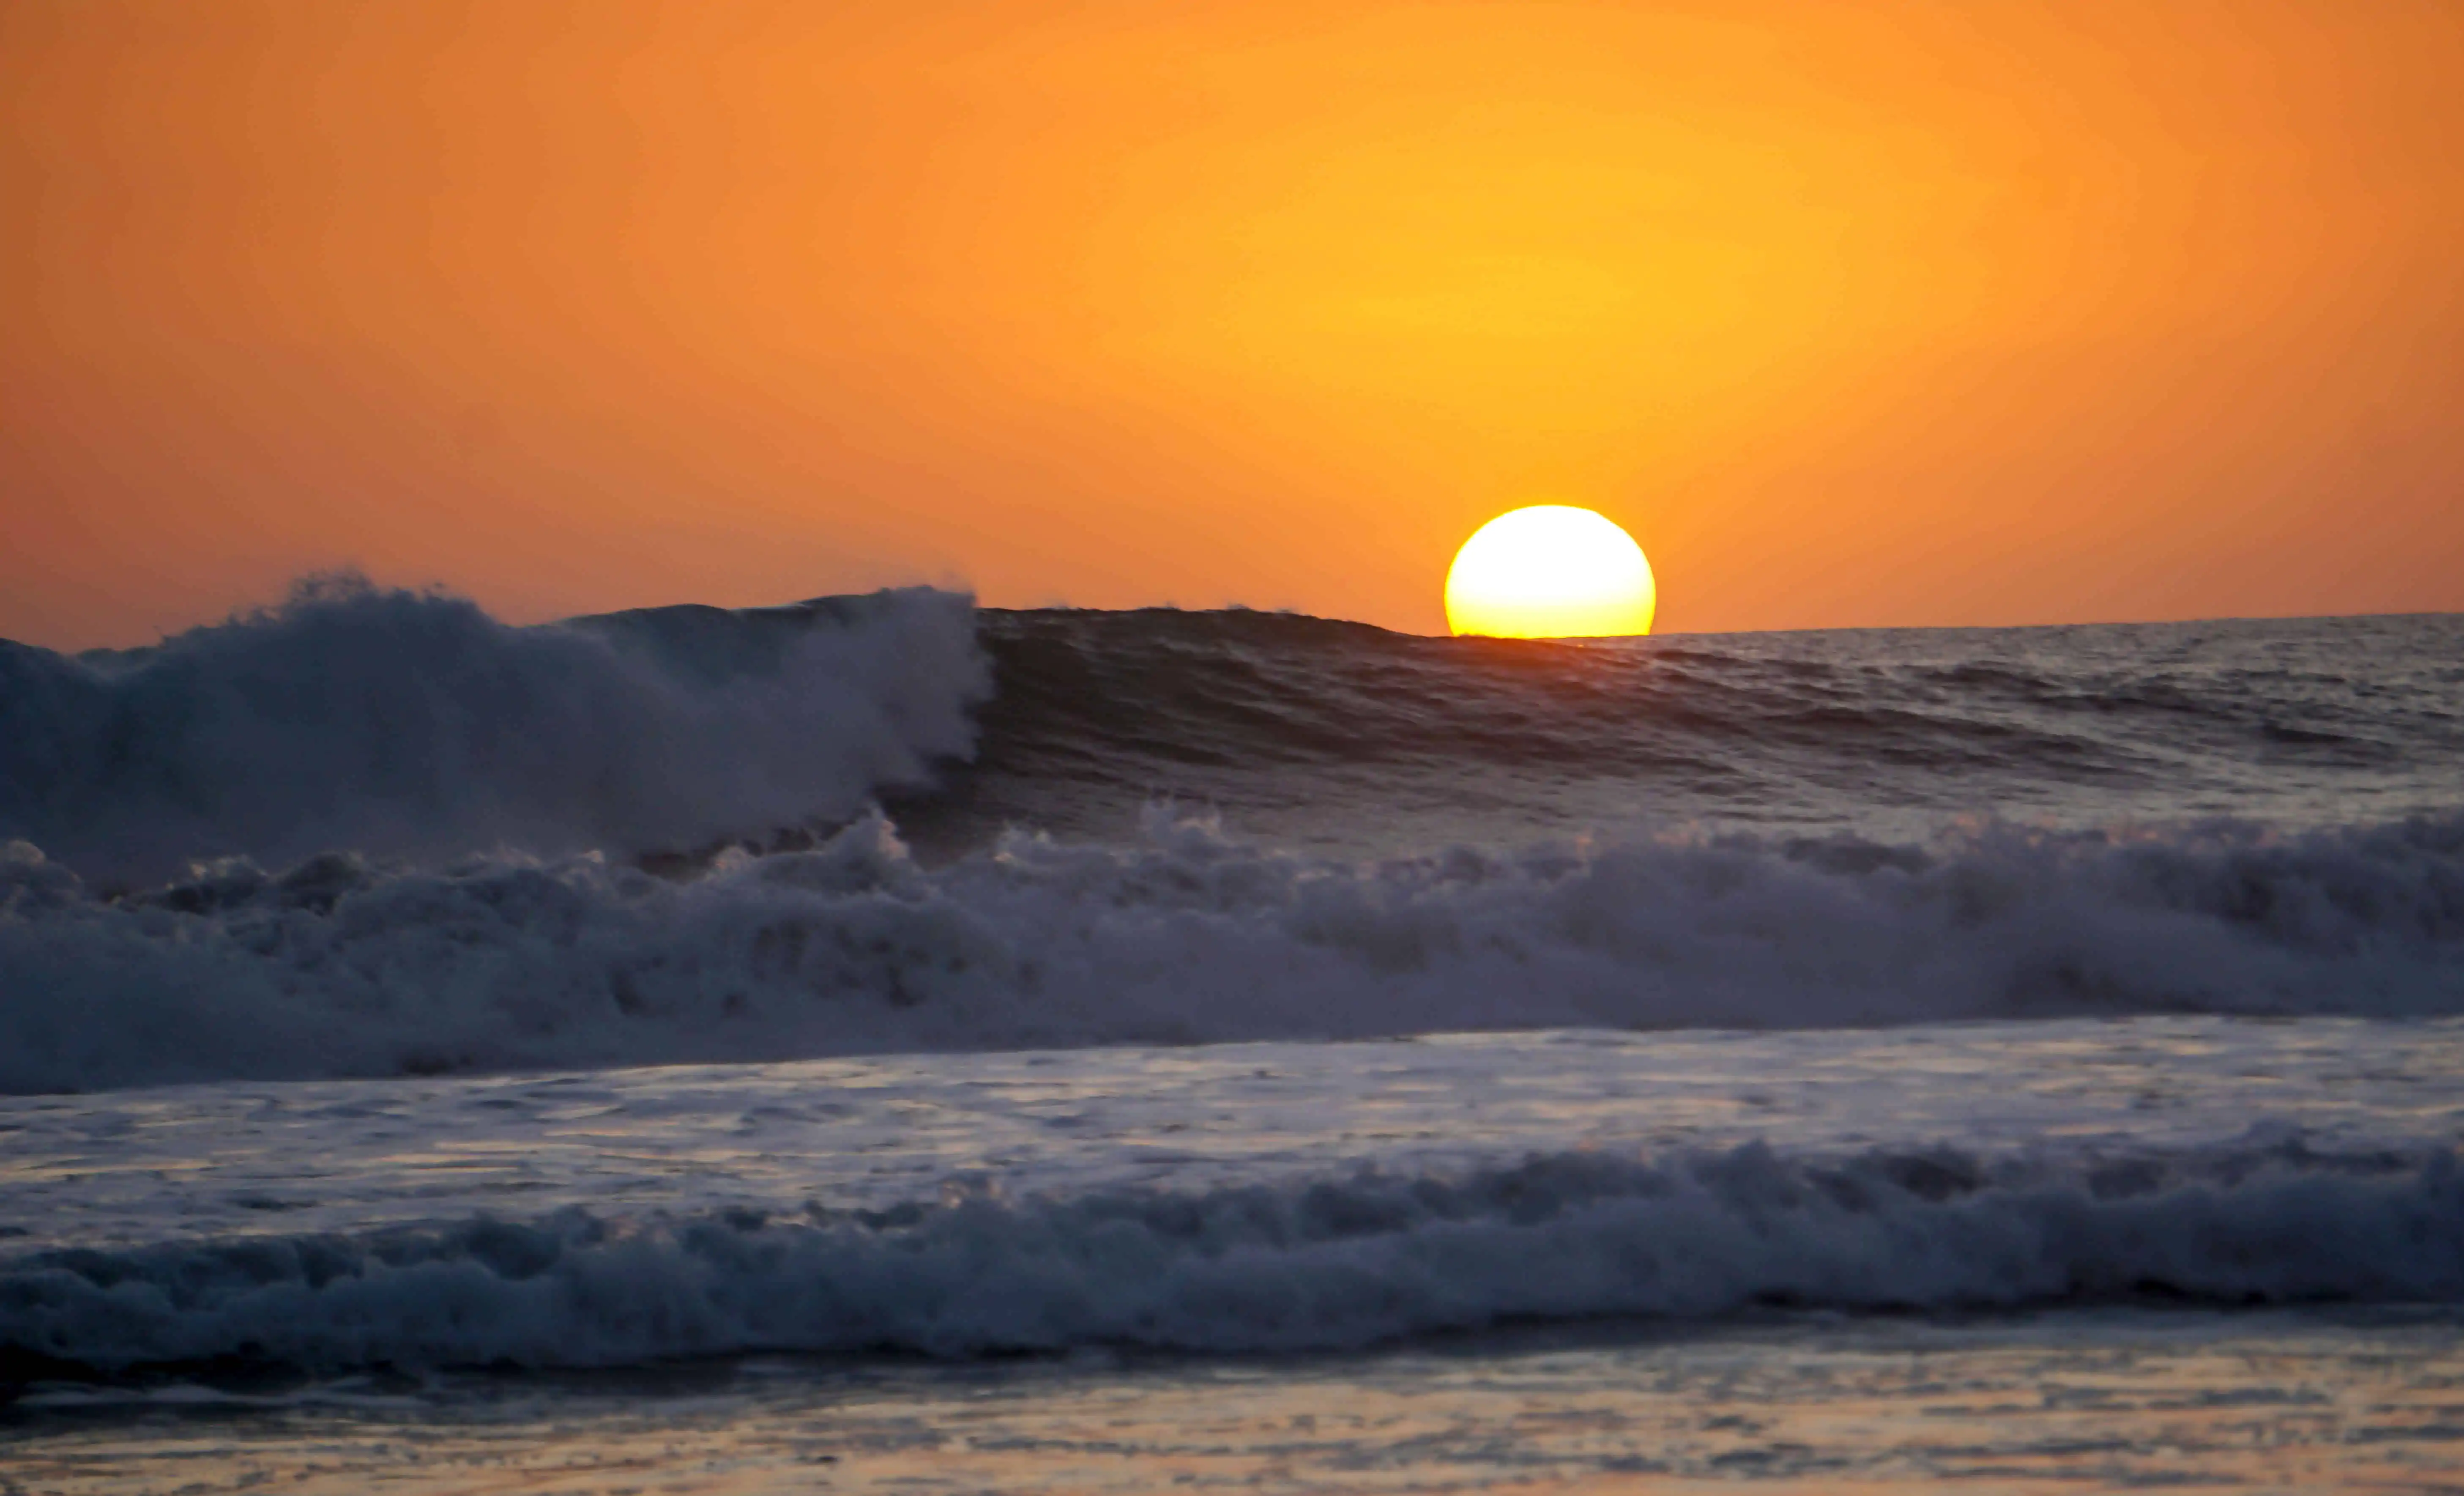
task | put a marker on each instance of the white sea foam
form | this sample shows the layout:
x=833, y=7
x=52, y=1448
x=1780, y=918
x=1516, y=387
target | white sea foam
x=338, y=970
x=1332, y=1261
x=400, y=723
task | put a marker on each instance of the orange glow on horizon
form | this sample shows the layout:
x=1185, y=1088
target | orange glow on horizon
x=1886, y=312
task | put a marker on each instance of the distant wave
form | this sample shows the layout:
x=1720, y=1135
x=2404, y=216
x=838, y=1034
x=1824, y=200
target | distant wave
x=1332, y=1261
x=399, y=723
x=338, y=968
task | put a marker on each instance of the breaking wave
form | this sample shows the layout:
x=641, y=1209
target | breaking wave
x=339, y=968
x=1329, y=1261
x=372, y=833
x=413, y=724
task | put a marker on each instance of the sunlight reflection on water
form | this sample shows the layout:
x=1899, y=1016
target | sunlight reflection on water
x=2105, y=1399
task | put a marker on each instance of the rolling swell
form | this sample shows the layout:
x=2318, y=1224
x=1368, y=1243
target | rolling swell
x=356, y=720
x=1311, y=1262
x=1341, y=725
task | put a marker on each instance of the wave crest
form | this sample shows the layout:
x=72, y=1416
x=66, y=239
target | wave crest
x=409, y=723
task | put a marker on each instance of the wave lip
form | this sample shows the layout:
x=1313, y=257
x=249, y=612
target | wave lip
x=397, y=723
x=1322, y=1263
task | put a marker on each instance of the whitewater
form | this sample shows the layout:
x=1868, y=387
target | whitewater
x=399, y=1007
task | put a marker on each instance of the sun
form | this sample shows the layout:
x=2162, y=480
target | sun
x=1550, y=571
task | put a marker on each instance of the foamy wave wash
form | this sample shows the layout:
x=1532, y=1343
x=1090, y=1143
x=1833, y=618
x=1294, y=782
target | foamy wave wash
x=1296, y=1263
x=411, y=724
x=336, y=969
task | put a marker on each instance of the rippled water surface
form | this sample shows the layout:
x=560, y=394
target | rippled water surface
x=879, y=1132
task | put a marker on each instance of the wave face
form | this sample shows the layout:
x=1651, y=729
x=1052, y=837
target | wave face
x=403, y=725
x=1336, y=1261
x=1349, y=739
x=406, y=724
x=339, y=968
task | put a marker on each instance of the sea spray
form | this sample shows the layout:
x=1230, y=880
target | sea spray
x=394, y=724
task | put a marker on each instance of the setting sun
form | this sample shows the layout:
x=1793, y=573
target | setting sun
x=1550, y=571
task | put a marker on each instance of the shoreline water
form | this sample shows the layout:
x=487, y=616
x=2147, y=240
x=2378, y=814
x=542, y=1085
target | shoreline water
x=2272, y=1401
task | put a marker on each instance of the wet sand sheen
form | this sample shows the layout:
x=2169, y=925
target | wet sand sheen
x=2283, y=1400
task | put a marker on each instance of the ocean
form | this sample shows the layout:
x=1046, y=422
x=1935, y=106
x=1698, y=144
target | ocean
x=889, y=1043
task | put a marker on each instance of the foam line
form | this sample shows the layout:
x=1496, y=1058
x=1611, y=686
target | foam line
x=1311, y=1262
x=338, y=968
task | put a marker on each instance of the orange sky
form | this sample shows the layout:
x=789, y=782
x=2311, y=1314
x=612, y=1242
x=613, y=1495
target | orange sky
x=1853, y=312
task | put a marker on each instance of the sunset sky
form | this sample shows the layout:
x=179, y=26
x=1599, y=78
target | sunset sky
x=1851, y=313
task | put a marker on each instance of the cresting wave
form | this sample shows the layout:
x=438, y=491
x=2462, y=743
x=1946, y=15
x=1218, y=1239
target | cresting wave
x=390, y=723
x=336, y=968
x=399, y=725
x=1811, y=724
x=1300, y=1264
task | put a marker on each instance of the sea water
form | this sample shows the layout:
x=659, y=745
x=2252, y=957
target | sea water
x=885, y=1043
